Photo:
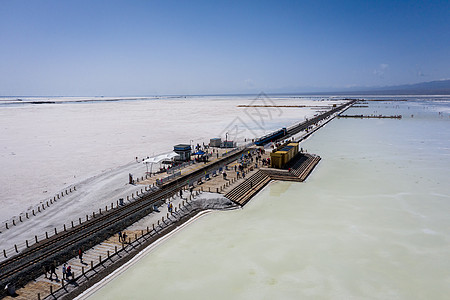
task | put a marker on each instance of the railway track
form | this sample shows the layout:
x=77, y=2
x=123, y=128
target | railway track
x=28, y=264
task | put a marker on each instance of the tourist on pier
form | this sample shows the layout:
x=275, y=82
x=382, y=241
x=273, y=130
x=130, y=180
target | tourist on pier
x=64, y=270
x=69, y=273
x=47, y=270
x=80, y=254
x=53, y=271
x=120, y=236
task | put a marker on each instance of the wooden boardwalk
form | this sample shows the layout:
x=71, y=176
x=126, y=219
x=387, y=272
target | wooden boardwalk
x=301, y=168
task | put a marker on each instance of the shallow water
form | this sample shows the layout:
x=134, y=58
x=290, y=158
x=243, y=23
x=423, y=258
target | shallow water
x=371, y=222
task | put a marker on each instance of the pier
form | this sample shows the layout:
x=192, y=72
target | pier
x=192, y=179
x=370, y=116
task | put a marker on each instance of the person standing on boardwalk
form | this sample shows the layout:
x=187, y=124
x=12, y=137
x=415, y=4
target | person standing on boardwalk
x=47, y=270
x=64, y=270
x=53, y=271
x=80, y=254
x=120, y=236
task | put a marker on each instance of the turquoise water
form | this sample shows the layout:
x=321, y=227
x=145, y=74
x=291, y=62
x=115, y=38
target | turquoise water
x=371, y=222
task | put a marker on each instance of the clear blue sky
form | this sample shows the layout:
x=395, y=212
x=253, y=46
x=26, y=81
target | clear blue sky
x=200, y=47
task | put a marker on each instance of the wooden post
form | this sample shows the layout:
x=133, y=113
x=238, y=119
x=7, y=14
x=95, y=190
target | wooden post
x=26, y=242
x=106, y=207
x=147, y=230
x=33, y=213
x=79, y=220
x=115, y=248
x=92, y=265
x=35, y=237
x=112, y=205
x=82, y=270
x=87, y=218
x=99, y=259
x=20, y=218
x=93, y=214
x=72, y=224
x=26, y=215
x=64, y=227
x=99, y=211
x=39, y=209
x=51, y=289
x=39, y=296
x=154, y=226
x=56, y=232
x=46, y=235
x=15, y=247
x=108, y=253
x=135, y=236
x=167, y=215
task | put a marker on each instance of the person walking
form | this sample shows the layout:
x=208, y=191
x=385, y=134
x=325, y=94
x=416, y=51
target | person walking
x=120, y=236
x=53, y=271
x=80, y=254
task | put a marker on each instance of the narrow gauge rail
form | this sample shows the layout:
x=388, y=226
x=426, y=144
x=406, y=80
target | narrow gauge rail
x=24, y=266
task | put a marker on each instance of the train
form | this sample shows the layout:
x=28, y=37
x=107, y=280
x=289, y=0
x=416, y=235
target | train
x=271, y=137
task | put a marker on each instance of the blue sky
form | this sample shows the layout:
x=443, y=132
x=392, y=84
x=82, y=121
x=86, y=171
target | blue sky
x=201, y=47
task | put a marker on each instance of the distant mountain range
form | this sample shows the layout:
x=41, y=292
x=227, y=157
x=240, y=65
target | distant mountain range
x=438, y=87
